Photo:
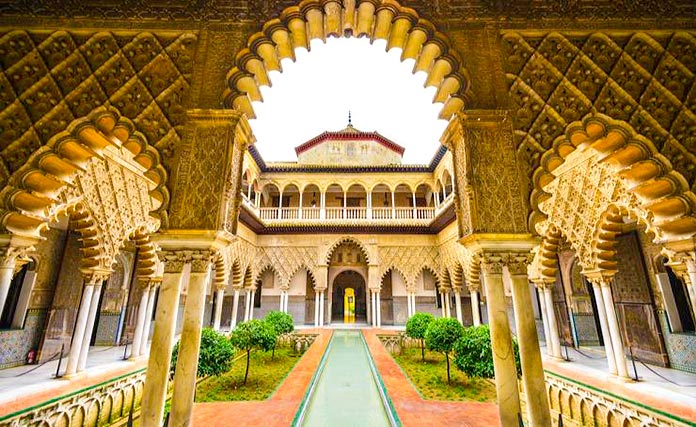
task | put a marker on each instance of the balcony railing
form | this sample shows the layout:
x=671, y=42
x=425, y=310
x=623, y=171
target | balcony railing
x=419, y=215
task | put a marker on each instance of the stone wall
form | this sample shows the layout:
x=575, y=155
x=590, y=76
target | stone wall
x=16, y=343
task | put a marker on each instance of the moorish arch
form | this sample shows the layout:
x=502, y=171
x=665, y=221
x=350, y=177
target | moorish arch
x=347, y=240
x=599, y=171
x=400, y=26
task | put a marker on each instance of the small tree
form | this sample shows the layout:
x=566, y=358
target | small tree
x=441, y=336
x=215, y=357
x=250, y=335
x=416, y=327
x=473, y=353
x=282, y=324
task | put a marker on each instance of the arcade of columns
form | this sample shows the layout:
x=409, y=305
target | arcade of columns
x=598, y=173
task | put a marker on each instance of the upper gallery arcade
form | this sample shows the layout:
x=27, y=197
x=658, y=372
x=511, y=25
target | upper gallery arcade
x=133, y=199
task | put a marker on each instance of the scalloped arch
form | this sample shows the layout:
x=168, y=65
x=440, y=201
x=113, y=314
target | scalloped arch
x=31, y=191
x=400, y=26
x=347, y=239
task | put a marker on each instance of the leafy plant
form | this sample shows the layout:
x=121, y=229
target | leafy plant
x=473, y=353
x=416, y=327
x=253, y=334
x=441, y=336
x=215, y=356
x=282, y=324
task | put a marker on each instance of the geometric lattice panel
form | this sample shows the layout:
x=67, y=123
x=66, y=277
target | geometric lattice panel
x=48, y=79
x=647, y=80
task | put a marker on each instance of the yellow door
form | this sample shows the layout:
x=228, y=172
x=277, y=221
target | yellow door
x=349, y=306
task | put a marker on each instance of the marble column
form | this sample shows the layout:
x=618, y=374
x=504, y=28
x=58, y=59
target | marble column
x=544, y=319
x=217, y=318
x=408, y=305
x=458, y=305
x=316, y=308
x=140, y=322
x=475, y=308
x=79, y=330
x=252, y=297
x=690, y=261
x=321, y=308
x=6, y=275
x=281, y=301
x=442, y=304
x=379, y=308
x=189, y=347
x=533, y=382
x=614, y=331
x=176, y=271
x=501, y=342
x=287, y=299
x=604, y=326
x=235, y=309
x=413, y=301
x=374, y=307
x=154, y=285
x=448, y=304
x=247, y=301
x=553, y=325
x=91, y=319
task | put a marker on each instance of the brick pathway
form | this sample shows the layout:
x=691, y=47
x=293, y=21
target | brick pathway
x=412, y=409
x=279, y=409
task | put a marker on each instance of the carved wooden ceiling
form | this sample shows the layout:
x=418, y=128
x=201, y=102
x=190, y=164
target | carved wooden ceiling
x=48, y=79
x=644, y=79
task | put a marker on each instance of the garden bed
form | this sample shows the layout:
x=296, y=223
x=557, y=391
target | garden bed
x=265, y=375
x=430, y=378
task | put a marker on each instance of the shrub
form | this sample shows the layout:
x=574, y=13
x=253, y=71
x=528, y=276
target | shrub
x=473, y=353
x=441, y=336
x=282, y=324
x=215, y=357
x=416, y=327
x=250, y=335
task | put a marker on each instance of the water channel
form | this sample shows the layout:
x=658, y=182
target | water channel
x=346, y=390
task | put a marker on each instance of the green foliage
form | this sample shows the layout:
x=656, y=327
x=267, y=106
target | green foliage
x=282, y=323
x=473, y=353
x=216, y=353
x=441, y=336
x=253, y=334
x=416, y=327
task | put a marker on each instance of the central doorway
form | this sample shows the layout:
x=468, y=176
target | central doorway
x=348, y=290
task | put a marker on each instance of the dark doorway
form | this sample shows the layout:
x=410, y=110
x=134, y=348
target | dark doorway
x=348, y=279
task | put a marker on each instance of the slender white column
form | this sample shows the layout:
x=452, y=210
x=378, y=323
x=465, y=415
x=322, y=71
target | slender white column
x=140, y=323
x=408, y=305
x=321, y=308
x=235, y=309
x=6, y=274
x=345, y=204
x=280, y=206
x=604, y=326
x=251, y=303
x=448, y=303
x=316, y=308
x=553, y=326
x=442, y=304
x=299, y=207
x=414, y=205
x=393, y=206
x=148, y=316
x=189, y=346
x=369, y=205
x=690, y=283
x=247, y=300
x=219, y=297
x=257, y=198
x=475, y=307
x=374, y=307
x=23, y=302
x=544, y=318
x=287, y=299
x=617, y=344
x=322, y=205
x=79, y=331
x=282, y=301
x=157, y=373
x=413, y=301
x=87, y=337
x=458, y=306
x=379, y=309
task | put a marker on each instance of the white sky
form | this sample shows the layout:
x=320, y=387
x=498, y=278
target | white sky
x=315, y=93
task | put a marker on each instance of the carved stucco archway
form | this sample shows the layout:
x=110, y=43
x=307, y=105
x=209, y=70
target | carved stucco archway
x=400, y=26
x=598, y=172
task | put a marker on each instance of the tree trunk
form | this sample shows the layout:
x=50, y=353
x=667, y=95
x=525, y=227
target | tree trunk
x=422, y=350
x=246, y=374
x=448, y=371
x=273, y=352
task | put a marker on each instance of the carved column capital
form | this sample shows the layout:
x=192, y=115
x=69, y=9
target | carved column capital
x=94, y=276
x=517, y=263
x=492, y=262
x=15, y=256
x=201, y=260
x=600, y=277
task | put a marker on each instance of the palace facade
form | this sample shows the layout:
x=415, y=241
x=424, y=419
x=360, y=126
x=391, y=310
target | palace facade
x=134, y=206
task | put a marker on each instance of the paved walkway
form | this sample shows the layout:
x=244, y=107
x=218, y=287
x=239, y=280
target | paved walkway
x=29, y=385
x=412, y=408
x=279, y=409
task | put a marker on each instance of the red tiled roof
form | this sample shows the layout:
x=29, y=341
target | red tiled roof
x=349, y=134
